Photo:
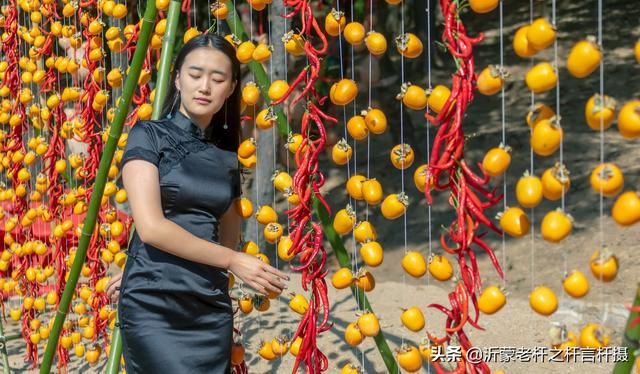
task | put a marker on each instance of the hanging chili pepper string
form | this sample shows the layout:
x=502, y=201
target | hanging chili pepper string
x=307, y=235
x=55, y=191
x=186, y=8
x=22, y=232
x=469, y=191
x=56, y=148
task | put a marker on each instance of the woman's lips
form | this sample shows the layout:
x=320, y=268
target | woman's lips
x=203, y=101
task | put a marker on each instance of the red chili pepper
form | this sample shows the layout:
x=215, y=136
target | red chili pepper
x=465, y=272
x=295, y=11
x=469, y=173
x=462, y=299
x=437, y=341
x=323, y=38
x=292, y=86
x=446, y=247
x=322, y=286
x=478, y=214
x=441, y=308
x=492, y=255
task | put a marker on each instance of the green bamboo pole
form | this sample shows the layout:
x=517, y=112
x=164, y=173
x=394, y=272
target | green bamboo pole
x=113, y=363
x=630, y=339
x=164, y=71
x=12, y=337
x=3, y=348
x=130, y=84
x=262, y=80
x=162, y=83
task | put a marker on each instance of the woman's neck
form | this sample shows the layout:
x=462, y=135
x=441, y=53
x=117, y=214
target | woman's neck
x=202, y=123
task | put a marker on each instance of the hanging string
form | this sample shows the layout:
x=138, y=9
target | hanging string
x=234, y=18
x=250, y=36
x=504, y=141
x=288, y=115
x=256, y=181
x=287, y=111
x=76, y=79
x=404, y=216
x=555, y=54
x=354, y=263
x=30, y=134
x=532, y=168
x=194, y=7
x=275, y=151
x=36, y=94
x=429, y=220
x=344, y=115
x=344, y=110
x=360, y=307
x=366, y=212
x=601, y=197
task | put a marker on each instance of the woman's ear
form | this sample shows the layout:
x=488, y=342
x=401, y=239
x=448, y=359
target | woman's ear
x=177, y=82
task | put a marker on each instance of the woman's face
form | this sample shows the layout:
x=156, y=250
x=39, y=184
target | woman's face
x=205, y=81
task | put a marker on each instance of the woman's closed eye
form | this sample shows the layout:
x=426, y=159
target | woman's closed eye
x=217, y=80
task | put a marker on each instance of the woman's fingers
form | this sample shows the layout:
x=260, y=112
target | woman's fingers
x=276, y=272
x=110, y=289
x=114, y=285
x=114, y=293
x=269, y=283
x=274, y=283
x=277, y=283
x=259, y=287
x=273, y=288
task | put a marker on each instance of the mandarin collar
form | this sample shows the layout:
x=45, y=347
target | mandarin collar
x=189, y=126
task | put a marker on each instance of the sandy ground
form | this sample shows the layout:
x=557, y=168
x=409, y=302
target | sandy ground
x=528, y=262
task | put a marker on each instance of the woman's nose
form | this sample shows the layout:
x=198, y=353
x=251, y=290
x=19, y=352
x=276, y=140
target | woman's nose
x=205, y=86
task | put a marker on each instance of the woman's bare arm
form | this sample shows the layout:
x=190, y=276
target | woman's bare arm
x=140, y=179
x=229, y=228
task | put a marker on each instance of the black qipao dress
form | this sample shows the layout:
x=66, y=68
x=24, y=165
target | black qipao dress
x=175, y=315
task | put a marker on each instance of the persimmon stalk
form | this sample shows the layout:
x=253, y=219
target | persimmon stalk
x=130, y=84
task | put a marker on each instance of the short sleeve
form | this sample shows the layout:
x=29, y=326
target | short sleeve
x=142, y=143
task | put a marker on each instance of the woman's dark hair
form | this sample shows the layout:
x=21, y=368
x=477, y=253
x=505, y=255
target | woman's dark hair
x=228, y=138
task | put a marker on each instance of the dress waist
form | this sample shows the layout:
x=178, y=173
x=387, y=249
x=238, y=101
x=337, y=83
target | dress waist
x=154, y=269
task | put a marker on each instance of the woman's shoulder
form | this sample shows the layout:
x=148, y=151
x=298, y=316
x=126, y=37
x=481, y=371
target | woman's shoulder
x=153, y=124
x=155, y=130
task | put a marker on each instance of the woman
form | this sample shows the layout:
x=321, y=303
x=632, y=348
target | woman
x=181, y=175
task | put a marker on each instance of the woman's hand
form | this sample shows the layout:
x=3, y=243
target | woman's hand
x=113, y=287
x=257, y=274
